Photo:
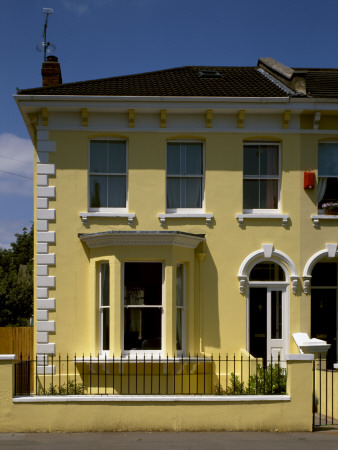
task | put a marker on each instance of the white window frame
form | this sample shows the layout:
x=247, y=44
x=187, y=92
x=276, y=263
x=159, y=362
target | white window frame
x=320, y=210
x=108, y=209
x=101, y=308
x=143, y=353
x=186, y=210
x=263, y=177
x=183, y=309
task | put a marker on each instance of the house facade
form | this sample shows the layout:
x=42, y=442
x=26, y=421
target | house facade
x=183, y=211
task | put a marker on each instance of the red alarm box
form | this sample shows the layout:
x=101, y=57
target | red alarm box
x=309, y=180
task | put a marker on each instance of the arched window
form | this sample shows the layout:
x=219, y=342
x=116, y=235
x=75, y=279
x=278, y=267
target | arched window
x=267, y=271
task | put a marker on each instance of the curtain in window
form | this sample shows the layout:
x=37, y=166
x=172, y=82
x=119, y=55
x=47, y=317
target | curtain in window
x=272, y=185
x=322, y=182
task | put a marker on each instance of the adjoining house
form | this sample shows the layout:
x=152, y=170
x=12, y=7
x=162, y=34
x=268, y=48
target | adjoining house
x=185, y=211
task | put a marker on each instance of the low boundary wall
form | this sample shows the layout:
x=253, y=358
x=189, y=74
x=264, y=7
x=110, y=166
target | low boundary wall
x=291, y=412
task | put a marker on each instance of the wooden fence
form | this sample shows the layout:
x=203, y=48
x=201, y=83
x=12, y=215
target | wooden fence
x=17, y=340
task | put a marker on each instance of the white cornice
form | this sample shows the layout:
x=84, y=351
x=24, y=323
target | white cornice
x=111, y=238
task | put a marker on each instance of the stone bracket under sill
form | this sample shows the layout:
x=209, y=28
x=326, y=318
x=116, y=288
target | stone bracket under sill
x=241, y=217
x=317, y=217
x=130, y=217
x=208, y=217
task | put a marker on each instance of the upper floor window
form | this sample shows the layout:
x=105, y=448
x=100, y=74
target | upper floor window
x=185, y=171
x=108, y=174
x=261, y=176
x=327, y=173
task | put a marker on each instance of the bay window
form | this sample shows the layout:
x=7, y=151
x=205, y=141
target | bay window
x=261, y=176
x=107, y=175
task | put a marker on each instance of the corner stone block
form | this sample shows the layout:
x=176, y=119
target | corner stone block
x=48, y=303
x=48, y=191
x=42, y=157
x=42, y=135
x=42, y=225
x=45, y=281
x=42, y=203
x=42, y=180
x=48, y=236
x=45, y=169
x=42, y=292
x=45, y=214
x=42, y=270
x=42, y=337
x=46, y=259
x=42, y=248
x=45, y=348
x=45, y=325
x=46, y=146
x=42, y=314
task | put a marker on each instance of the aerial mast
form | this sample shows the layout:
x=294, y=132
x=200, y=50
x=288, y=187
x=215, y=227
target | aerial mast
x=47, y=46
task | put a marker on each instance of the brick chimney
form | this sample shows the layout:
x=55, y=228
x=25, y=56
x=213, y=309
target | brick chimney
x=51, y=72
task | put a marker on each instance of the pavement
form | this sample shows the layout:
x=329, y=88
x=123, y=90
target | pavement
x=326, y=438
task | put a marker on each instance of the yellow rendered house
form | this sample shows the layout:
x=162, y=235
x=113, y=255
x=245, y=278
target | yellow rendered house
x=188, y=211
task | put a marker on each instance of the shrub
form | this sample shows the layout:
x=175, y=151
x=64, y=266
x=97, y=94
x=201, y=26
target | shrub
x=69, y=388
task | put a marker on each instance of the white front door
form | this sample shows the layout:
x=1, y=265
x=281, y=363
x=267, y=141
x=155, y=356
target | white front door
x=277, y=324
x=269, y=323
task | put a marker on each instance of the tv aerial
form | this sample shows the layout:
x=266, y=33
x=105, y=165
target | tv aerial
x=47, y=47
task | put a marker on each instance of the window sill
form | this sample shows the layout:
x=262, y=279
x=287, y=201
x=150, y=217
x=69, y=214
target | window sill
x=84, y=216
x=207, y=217
x=284, y=217
x=317, y=217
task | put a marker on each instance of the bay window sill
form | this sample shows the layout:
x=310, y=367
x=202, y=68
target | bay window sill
x=319, y=217
x=283, y=217
x=130, y=217
x=163, y=217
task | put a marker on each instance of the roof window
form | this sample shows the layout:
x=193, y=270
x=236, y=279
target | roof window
x=210, y=74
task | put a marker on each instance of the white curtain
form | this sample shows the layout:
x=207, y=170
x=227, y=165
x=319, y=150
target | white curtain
x=322, y=182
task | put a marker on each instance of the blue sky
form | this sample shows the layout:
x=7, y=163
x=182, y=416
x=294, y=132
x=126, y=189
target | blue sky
x=103, y=38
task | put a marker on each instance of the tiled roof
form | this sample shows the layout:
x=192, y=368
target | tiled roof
x=187, y=81
x=182, y=81
x=322, y=83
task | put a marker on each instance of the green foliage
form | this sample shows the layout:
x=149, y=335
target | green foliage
x=69, y=388
x=269, y=380
x=16, y=281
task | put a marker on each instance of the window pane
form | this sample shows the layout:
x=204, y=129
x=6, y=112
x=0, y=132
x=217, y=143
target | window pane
x=98, y=191
x=179, y=324
x=276, y=315
x=98, y=156
x=193, y=193
x=173, y=159
x=268, y=194
x=328, y=160
x=105, y=329
x=117, y=157
x=250, y=194
x=116, y=191
x=173, y=193
x=105, y=284
x=267, y=271
x=179, y=285
x=142, y=329
x=268, y=160
x=143, y=283
x=251, y=160
x=324, y=274
x=193, y=157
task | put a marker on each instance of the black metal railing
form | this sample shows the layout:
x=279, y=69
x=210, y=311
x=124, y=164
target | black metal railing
x=183, y=375
x=325, y=397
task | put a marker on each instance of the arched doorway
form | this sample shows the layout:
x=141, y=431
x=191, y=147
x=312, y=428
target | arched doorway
x=268, y=311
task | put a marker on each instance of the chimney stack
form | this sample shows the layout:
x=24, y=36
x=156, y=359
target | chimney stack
x=51, y=72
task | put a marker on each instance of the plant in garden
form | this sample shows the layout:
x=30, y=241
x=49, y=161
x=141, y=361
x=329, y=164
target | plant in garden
x=269, y=380
x=69, y=388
